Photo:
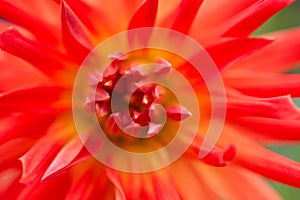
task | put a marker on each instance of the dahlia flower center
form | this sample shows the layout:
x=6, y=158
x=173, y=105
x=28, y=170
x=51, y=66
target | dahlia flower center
x=141, y=112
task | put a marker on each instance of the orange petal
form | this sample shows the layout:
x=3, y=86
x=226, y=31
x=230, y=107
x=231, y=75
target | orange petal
x=116, y=180
x=110, y=22
x=253, y=186
x=164, y=186
x=88, y=183
x=191, y=186
x=251, y=155
x=132, y=186
x=244, y=184
x=211, y=181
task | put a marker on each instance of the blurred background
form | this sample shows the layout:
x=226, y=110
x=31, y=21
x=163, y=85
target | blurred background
x=289, y=17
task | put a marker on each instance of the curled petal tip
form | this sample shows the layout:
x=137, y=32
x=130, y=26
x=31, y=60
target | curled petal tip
x=102, y=109
x=117, y=56
x=101, y=95
x=163, y=67
x=133, y=129
x=220, y=157
x=153, y=129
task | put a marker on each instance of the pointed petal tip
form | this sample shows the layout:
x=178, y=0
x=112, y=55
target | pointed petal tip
x=178, y=113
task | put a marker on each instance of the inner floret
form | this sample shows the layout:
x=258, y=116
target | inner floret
x=144, y=116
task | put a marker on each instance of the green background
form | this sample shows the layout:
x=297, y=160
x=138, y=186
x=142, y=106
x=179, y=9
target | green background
x=289, y=17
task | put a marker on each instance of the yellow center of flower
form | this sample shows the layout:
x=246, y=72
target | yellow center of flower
x=154, y=112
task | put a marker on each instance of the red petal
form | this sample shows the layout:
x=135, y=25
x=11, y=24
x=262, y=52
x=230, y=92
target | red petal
x=13, y=12
x=240, y=18
x=186, y=14
x=4, y=25
x=210, y=8
x=215, y=156
x=84, y=12
x=66, y=157
x=168, y=9
x=15, y=73
x=44, y=57
x=75, y=36
x=12, y=150
x=266, y=85
x=34, y=99
x=230, y=51
x=270, y=165
x=116, y=180
x=164, y=187
x=36, y=160
x=14, y=126
x=253, y=16
x=82, y=187
x=10, y=179
x=52, y=189
x=271, y=129
x=132, y=186
x=286, y=48
x=220, y=157
x=276, y=107
x=90, y=184
x=145, y=15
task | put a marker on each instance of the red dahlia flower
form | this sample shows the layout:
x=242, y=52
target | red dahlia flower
x=44, y=156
